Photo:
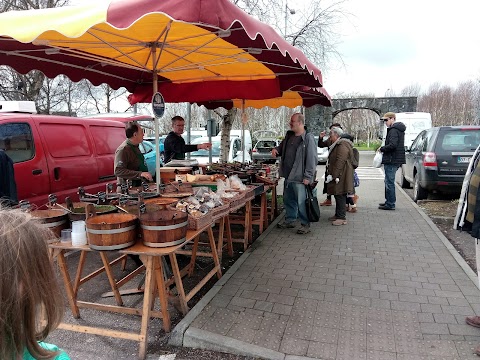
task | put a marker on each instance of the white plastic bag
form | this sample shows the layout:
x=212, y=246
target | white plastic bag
x=377, y=159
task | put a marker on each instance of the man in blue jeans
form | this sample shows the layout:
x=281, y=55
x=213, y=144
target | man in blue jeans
x=393, y=157
x=298, y=151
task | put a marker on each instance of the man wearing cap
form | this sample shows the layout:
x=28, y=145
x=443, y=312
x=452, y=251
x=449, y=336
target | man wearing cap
x=393, y=157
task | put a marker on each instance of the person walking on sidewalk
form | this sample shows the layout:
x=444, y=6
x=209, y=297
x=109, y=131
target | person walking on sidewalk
x=340, y=174
x=298, y=152
x=393, y=157
x=324, y=141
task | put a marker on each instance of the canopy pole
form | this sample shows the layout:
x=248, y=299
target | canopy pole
x=243, y=131
x=157, y=127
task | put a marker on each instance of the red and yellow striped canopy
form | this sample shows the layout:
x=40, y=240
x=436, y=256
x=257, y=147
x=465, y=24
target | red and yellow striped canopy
x=199, y=50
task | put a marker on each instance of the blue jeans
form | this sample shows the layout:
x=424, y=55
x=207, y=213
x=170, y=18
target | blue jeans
x=390, y=197
x=294, y=196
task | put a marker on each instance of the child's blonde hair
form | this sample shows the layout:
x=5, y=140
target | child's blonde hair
x=28, y=286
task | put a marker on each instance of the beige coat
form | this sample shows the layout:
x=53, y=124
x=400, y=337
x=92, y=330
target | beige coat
x=340, y=166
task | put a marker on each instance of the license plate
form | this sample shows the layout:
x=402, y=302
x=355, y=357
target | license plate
x=463, y=159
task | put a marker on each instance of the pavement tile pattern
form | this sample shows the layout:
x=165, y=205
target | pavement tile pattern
x=382, y=287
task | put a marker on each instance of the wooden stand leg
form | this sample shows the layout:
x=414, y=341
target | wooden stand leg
x=194, y=255
x=148, y=261
x=221, y=229
x=229, y=236
x=162, y=294
x=111, y=280
x=179, y=284
x=248, y=223
x=72, y=300
x=214, y=252
x=263, y=212
x=78, y=275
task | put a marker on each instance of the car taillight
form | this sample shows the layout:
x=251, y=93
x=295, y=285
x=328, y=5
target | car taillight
x=430, y=161
x=254, y=150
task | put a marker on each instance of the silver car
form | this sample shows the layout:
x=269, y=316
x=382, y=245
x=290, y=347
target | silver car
x=322, y=153
x=262, y=151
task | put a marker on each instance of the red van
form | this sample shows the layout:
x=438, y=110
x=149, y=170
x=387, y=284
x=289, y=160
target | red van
x=57, y=154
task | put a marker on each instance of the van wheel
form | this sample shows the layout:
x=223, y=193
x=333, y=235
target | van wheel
x=404, y=182
x=419, y=193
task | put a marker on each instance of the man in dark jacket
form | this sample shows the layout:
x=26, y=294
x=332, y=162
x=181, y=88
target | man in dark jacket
x=393, y=157
x=174, y=145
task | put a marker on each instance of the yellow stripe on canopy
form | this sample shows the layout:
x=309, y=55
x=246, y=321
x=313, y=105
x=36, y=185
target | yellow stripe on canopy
x=289, y=99
x=72, y=21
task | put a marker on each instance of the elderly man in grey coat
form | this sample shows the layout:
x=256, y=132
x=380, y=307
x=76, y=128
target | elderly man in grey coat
x=298, y=151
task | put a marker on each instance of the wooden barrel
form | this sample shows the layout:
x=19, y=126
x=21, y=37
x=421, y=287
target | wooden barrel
x=163, y=228
x=78, y=210
x=55, y=220
x=151, y=206
x=111, y=231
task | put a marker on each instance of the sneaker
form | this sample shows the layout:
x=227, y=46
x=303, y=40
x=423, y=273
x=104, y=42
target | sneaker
x=352, y=209
x=383, y=207
x=327, y=202
x=332, y=218
x=286, y=225
x=381, y=204
x=303, y=230
x=339, y=222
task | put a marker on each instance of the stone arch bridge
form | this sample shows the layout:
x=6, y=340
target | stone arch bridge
x=319, y=117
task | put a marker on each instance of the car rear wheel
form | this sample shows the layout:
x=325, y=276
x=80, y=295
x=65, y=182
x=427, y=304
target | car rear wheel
x=404, y=182
x=419, y=193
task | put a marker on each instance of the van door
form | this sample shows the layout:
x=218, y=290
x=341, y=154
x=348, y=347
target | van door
x=71, y=160
x=21, y=141
x=107, y=138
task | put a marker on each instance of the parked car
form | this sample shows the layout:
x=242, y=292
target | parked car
x=262, y=151
x=161, y=144
x=438, y=159
x=322, y=153
x=148, y=151
x=234, y=154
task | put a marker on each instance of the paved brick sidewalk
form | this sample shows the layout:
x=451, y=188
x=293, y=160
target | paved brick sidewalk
x=384, y=286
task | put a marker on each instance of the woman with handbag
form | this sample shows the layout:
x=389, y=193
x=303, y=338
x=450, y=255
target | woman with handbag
x=340, y=174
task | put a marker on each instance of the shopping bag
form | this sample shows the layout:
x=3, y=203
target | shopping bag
x=356, y=180
x=313, y=209
x=377, y=159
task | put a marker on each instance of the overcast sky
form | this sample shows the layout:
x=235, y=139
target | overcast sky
x=391, y=44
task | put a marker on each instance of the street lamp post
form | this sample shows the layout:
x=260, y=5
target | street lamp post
x=292, y=12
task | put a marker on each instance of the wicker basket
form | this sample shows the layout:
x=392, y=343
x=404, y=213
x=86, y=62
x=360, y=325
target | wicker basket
x=237, y=201
x=250, y=192
x=220, y=211
x=200, y=222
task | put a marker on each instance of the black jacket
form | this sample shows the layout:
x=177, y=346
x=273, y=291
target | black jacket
x=394, y=148
x=175, y=147
x=8, y=188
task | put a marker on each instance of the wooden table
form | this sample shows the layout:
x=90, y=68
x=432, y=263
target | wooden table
x=155, y=284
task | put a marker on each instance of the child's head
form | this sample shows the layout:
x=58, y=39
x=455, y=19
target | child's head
x=29, y=290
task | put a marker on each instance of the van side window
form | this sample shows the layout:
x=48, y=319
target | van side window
x=17, y=141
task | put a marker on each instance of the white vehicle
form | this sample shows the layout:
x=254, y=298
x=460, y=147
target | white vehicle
x=194, y=134
x=322, y=152
x=234, y=154
x=238, y=133
x=415, y=123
